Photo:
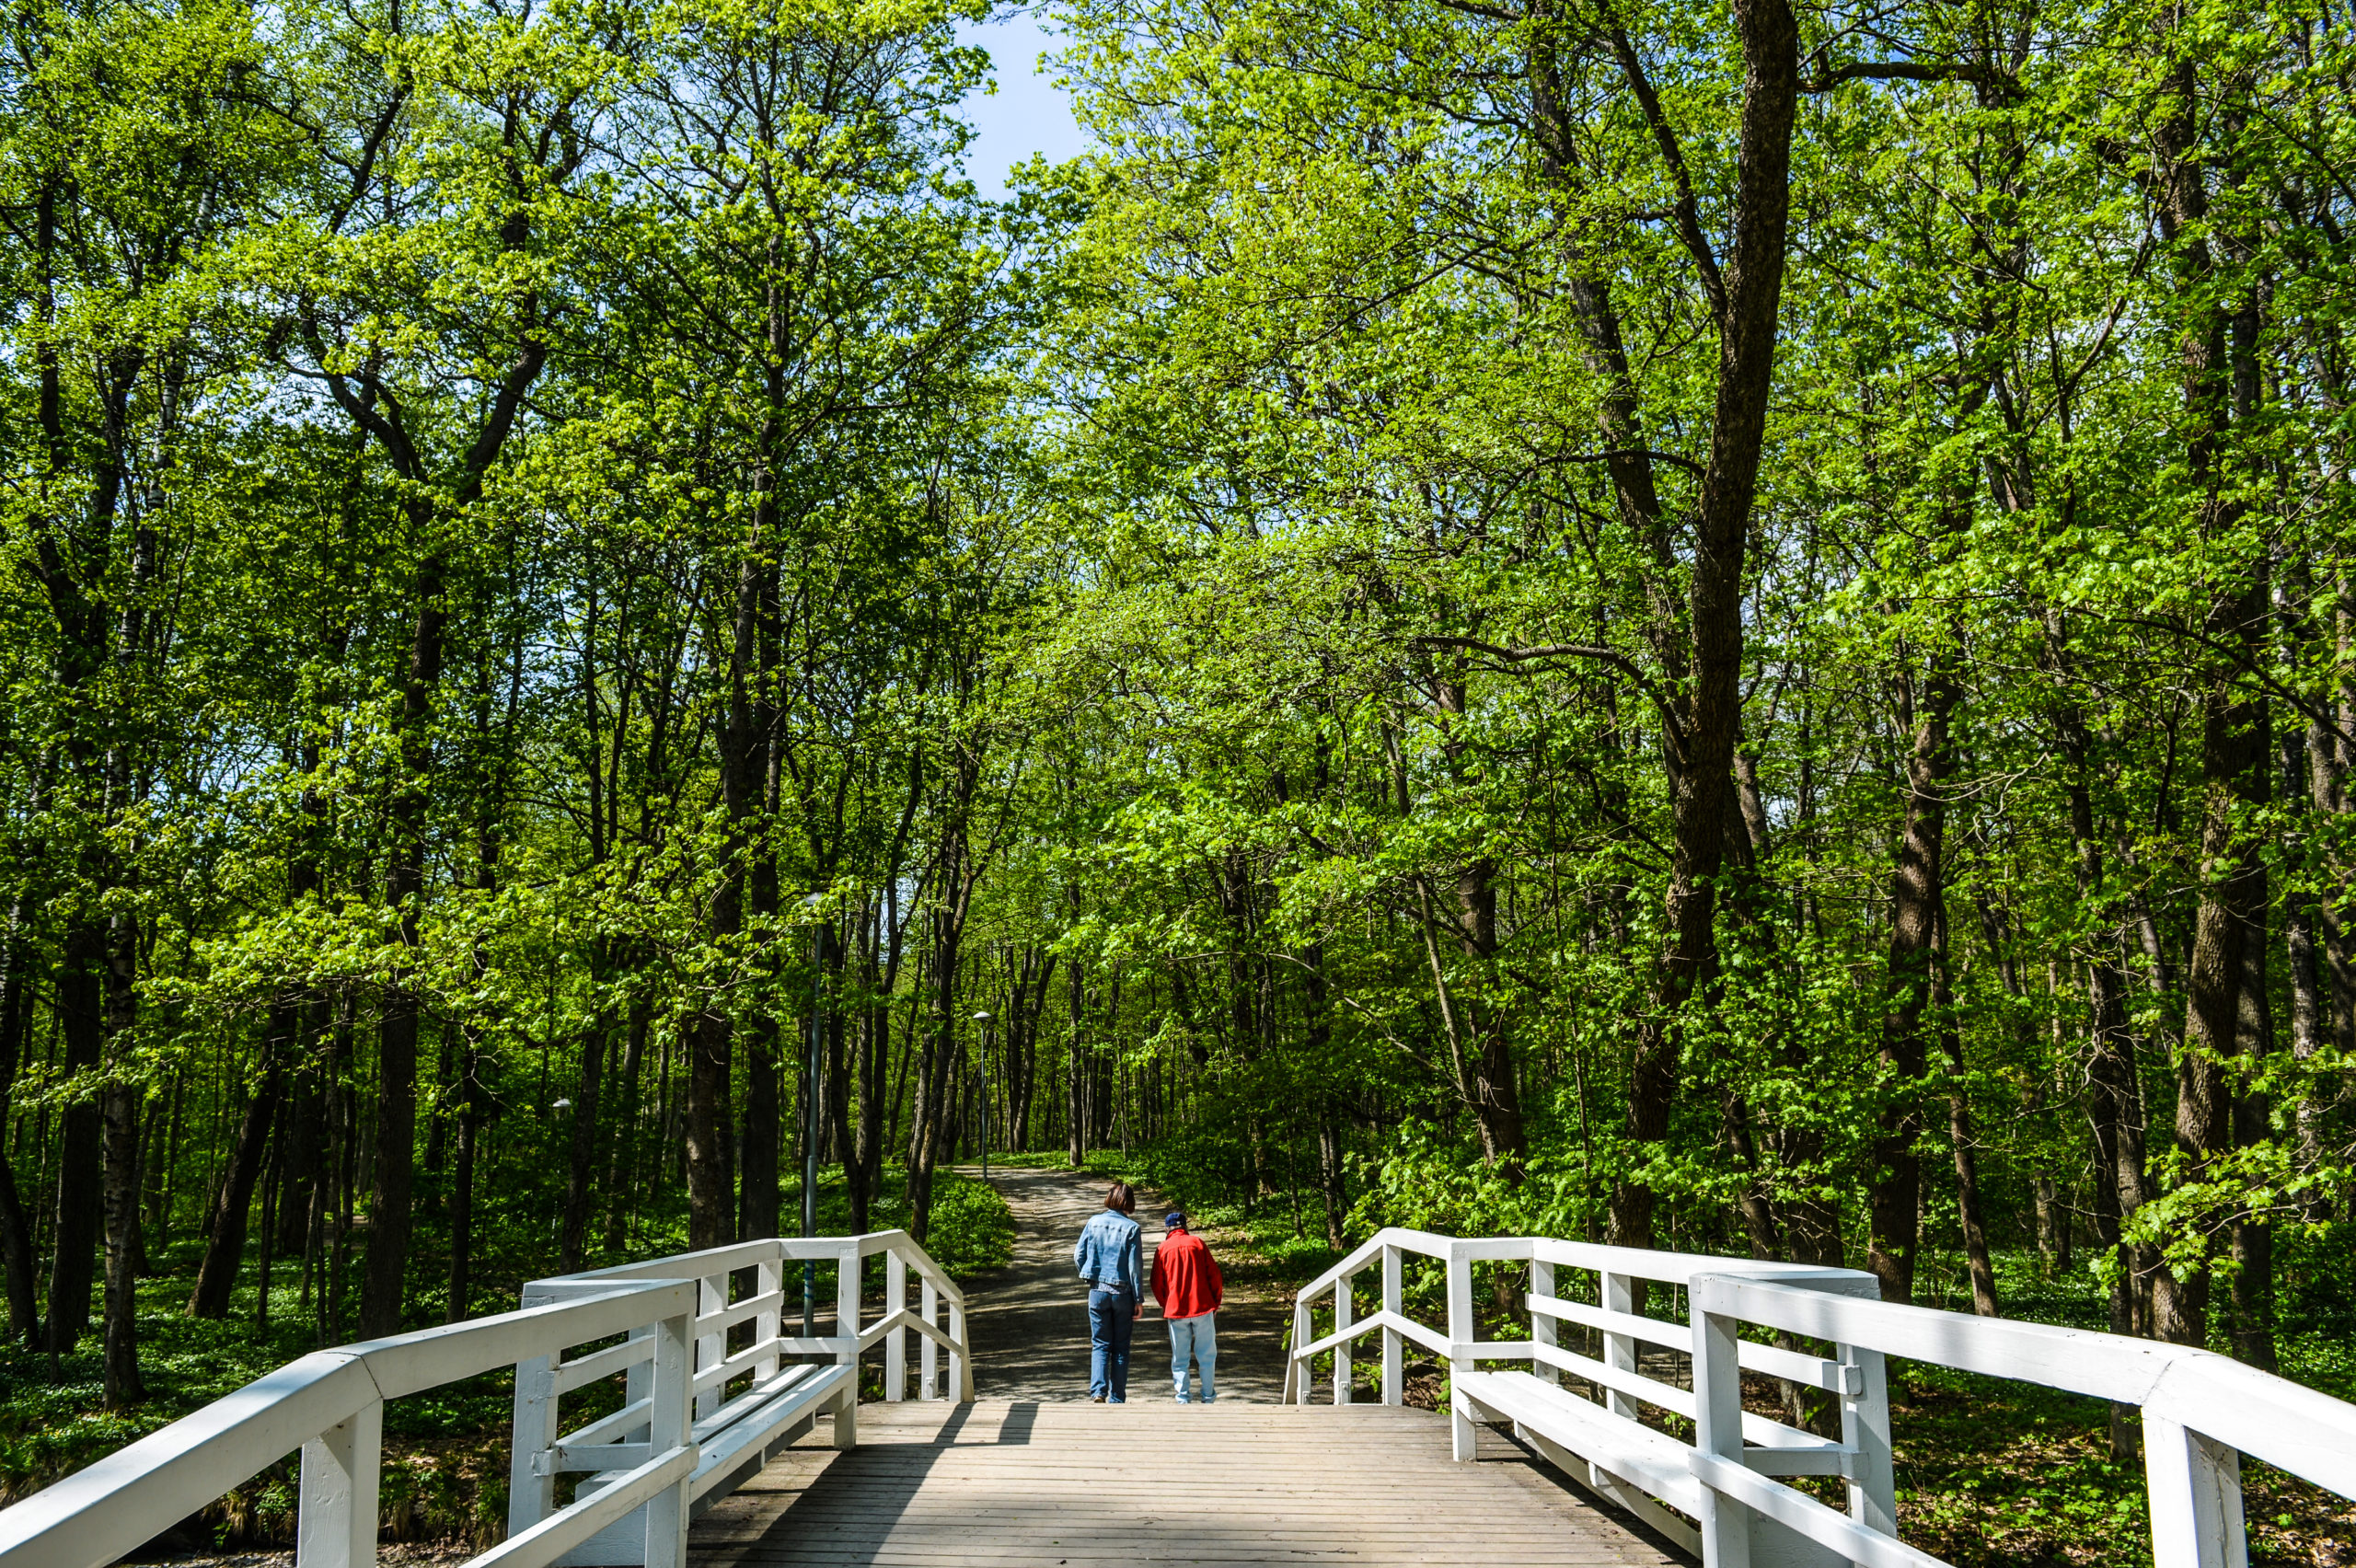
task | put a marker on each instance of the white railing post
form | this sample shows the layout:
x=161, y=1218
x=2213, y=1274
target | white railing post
x=1394, y=1301
x=337, y=1524
x=1296, y=1363
x=1462, y=1331
x=2196, y=1491
x=1345, y=1314
x=928, y=1352
x=960, y=1354
x=670, y=1385
x=638, y=1383
x=847, y=1282
x=1864, y=1426
x=1717, y=1399
x=710, y=1349
x=769, y=1279
x=1617, y=1292
x=531, y=1494
x=1542, y=1327
x=896, y=1341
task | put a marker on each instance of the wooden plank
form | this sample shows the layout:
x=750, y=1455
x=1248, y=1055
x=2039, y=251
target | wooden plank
x=997, y=1484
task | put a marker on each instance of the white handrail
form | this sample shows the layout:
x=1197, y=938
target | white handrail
x=669, y=1450
x=331, y=1404
x=1603, y=1438
x=784, y=1394
x=2202, y=1410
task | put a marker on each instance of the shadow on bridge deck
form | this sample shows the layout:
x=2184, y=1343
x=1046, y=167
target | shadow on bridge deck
x=1005, y=1482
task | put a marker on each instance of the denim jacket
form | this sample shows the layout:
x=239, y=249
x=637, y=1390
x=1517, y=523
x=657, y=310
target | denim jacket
x=1109, y=1254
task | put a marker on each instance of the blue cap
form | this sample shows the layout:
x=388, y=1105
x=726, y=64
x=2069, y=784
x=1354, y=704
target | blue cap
x=1173, y=1219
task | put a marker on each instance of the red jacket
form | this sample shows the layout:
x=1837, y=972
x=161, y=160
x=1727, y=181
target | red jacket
x=1185, y=1276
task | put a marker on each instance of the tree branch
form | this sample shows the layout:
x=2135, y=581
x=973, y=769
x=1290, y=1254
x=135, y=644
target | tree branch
x=1689, y=222
x=1601, y=654
x=1824, y=81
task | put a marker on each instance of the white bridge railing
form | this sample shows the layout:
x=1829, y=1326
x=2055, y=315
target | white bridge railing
x=696, y=1417
x=2202, y=1410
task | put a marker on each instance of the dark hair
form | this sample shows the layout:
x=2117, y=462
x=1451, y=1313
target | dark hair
x=1122, y=1197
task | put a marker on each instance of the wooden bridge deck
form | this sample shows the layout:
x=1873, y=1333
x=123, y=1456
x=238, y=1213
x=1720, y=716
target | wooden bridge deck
x=1004, y=1482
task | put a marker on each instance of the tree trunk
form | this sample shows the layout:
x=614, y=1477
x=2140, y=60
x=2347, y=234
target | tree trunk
x=391, y=1201
x=621, y=1165
x=759, y=1201
x=2328, y=788
x=16, y=1263
x=1918, y=891
x=1496, y=1091
x=2231, y=907
x=1963, y=1139
x=225, y=1242
x=119, y=1110
x=2116, y=1099
x=459, y=1290
x=119, y=1101
x=2230, y=749
x=1076, y=1079
x=304, y=1118
x=587, y=1099
x=2253, y=1235
x=1319, y=1040
x=710, y=1183
x=76, y=1231
x=841, y=1046
x=2115, y=1112
x=863, y=1173
x=2253, y=1238
x=2306, y=1039
x=935, y=1108
x=1710, y=710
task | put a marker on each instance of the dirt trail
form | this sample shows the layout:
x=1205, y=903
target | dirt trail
x=1030, y=1322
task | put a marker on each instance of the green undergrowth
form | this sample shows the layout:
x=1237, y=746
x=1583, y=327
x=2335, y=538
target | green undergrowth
x=972, y=1230
x=1264, y=1240
x=445, y=1474
x=1993, y=1473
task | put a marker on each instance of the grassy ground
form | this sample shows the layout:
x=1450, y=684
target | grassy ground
x=446, y=1452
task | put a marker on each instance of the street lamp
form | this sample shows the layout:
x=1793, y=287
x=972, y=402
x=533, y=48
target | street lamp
x=985, y=1021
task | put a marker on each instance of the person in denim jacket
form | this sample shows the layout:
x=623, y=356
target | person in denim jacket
x=1110, y=1257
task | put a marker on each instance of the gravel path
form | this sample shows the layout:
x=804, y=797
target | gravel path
x=1030, y=1322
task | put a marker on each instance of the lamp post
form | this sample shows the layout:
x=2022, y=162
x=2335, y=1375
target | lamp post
x=985, y=1021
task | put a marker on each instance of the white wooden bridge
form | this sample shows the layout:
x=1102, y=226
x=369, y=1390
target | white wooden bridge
x=698, y=1391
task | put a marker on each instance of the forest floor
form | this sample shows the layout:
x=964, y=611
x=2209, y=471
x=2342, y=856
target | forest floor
x=1029, y=1318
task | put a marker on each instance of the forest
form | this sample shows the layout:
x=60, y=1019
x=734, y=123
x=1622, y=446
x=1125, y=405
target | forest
x=1728, y=627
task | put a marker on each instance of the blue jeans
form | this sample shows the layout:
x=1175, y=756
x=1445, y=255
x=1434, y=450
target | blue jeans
x=1198, y=1337
x=1110, y=1318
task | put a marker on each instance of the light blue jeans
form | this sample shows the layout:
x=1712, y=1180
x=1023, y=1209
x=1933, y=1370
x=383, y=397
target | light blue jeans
x=1198, y=1337
x=1111, y=1316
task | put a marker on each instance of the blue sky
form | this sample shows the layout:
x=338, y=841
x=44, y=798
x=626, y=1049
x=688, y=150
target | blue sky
x=1027, y=114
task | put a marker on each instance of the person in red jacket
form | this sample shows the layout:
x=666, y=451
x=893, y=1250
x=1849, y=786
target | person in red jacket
x=1187, y=1282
